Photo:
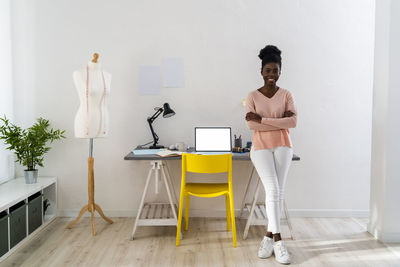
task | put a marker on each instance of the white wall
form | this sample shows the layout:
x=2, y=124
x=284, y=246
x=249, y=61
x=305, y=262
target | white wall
x=392, y=197
x=327, y=65
x=385, y=214
x=6, y=92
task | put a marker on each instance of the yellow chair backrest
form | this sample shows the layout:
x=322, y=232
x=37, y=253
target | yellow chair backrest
x=207, y=163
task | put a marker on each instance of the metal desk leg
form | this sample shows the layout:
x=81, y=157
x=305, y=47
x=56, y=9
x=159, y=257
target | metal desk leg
x=245, y=194
x=169, y=194
x=249, y=218
x=287, y=219
x=141, y=203
x=168, y=173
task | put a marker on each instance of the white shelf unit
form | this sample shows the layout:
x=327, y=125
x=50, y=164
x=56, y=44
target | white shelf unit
x=15, y=191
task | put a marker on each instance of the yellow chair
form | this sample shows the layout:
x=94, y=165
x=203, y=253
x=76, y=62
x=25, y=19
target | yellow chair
x=206, y=164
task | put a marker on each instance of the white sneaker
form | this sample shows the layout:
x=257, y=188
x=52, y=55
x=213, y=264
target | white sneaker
x=281, y=252
x=266, y=248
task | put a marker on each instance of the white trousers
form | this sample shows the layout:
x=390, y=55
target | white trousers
x=272, y=166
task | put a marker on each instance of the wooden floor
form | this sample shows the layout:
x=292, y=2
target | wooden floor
x=318, y=242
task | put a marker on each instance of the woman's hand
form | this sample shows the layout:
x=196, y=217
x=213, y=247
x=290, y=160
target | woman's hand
x=288, y=113
x=250, y=116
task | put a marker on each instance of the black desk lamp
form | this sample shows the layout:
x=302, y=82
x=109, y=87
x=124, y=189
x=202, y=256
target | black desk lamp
x=168, y=112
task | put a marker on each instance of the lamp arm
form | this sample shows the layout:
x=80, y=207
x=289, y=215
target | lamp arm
x=155, y=115
x=155, y=137
x=150, y=121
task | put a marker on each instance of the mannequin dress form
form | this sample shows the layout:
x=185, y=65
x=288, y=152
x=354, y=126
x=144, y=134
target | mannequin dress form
x=92, y=121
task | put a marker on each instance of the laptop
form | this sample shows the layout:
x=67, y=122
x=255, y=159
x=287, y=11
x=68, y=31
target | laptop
x=213, y=139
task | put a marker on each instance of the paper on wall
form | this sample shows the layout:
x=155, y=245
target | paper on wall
x=173, y=72
x=149, y=80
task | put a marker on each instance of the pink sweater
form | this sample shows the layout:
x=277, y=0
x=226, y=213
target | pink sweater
x=273, y=130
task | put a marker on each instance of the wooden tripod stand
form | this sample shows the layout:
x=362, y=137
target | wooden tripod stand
x=91, y=206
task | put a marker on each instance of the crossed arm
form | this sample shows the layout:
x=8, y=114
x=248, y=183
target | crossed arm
x=257, y=123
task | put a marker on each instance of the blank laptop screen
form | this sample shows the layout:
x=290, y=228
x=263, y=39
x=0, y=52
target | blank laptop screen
x=216, y=139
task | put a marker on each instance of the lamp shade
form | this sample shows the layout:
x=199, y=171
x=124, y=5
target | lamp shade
x=168, y=112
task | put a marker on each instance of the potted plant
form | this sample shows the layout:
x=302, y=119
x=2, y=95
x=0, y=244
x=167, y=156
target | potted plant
x=29, y=145
x=46, y=204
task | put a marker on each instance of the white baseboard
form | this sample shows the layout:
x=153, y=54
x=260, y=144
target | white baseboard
x=222, y=213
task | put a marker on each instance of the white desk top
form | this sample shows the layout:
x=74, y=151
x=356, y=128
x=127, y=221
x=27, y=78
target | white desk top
x=15, y=190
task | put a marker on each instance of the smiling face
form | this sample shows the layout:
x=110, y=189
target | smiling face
x=271, y=72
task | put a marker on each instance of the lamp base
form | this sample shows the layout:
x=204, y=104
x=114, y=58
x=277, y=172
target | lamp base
x=156, y=147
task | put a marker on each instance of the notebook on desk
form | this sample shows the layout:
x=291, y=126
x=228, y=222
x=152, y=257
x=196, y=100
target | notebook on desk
x=213, y=140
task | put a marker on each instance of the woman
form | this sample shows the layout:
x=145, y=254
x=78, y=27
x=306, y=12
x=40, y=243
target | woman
x=270, y=112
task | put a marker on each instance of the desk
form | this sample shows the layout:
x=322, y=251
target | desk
x=166, y=213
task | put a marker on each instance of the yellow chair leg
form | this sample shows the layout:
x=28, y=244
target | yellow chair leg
x=233, y=219
x=228, y=211
x=178, y=229
x=187, y=197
